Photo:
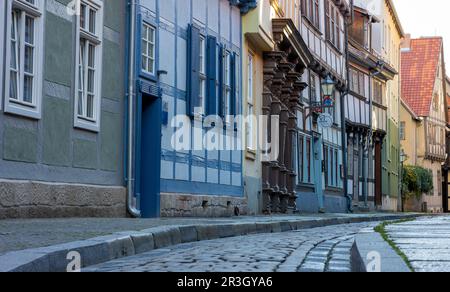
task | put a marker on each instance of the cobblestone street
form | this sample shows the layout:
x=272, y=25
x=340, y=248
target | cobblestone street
x=425, y=242
x=313, y=250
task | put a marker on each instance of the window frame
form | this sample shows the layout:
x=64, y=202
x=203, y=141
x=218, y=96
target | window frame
x=402, y=131
x=250, y=140
x=304, y=159
x=310, y=9
x=20, y=107
x=143, y=70
x=203, y=79
x=81, y=121
x=227, y=84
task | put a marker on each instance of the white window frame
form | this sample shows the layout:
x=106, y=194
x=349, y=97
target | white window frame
x=19, y=107
x=82, y=121
x=146, y=55
x=250, y=103
x=227, y=85
x=202, y=75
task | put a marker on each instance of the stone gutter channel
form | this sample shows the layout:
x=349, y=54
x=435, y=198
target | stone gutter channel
x=123, y=244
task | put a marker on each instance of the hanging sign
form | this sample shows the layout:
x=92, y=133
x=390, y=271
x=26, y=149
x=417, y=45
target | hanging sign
x=325, y=120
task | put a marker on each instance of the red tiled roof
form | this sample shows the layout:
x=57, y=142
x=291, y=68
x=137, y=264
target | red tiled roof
x=419, y=72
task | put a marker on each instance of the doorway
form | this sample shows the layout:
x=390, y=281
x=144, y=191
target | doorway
x=150, y=155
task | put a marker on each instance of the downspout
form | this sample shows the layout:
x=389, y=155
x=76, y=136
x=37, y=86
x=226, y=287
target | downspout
x=343, y=124
x=131, y=208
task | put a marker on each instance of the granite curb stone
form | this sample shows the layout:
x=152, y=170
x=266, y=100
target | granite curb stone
x=123, y=244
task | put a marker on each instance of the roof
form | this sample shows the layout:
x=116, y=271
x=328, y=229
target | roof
x=419, y=72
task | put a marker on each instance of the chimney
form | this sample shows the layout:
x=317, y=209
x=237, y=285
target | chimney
x=406, y=43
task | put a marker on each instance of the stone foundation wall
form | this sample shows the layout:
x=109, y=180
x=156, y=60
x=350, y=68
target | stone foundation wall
x=24, y=199
x=186, y=205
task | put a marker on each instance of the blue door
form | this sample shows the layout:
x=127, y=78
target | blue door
x=150, y=156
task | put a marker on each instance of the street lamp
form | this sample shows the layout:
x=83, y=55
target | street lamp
x=328, y=86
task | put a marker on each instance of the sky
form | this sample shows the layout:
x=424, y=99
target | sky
x=426, y=18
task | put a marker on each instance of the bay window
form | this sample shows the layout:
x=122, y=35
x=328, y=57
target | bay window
x=24, y=53
x=89, y=65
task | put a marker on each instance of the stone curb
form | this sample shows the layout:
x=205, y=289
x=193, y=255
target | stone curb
x=371, y=253
x=106, y=248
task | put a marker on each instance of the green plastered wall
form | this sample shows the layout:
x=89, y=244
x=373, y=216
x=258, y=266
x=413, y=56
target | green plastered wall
x=51, y=148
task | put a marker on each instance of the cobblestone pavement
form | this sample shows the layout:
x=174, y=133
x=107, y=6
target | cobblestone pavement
x=313, y=250
x=426, y=242
x=33, y=233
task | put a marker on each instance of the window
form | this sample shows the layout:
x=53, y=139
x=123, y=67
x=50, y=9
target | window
x=333, y=24
x=301, y=159
x=310, y=10
x=402, y=131
x=313, y=88
x=202, y=75
x=331, y=166
x=436, y=102
x=358, y=82
x=88, y=70
x=378, y=92
x=23, y=86
x=250, y=103
x=227, y=85
x=148, y=48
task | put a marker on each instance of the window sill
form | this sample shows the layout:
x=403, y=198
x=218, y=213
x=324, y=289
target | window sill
x=21, y=110
x=85, y=125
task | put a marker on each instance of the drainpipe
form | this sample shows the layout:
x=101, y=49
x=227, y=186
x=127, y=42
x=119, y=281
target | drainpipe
x=343, y=124
x=132, y=210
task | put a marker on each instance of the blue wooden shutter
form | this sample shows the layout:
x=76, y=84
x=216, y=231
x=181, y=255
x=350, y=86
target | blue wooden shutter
x=211, y=101
x=221, y=80
x=234, y=84
x=193, y=69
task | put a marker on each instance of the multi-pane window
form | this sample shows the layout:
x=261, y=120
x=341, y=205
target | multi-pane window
x=250, y=103
x=310, y=10
x=331, y=161
x=378, y=92
x=227, y=84
x=148, y=49
x=304, y=158
x=24, y=57
x=358, y=82
x=402, y=131
x=88, y=70
x=202, y=75
x=333, y=28
x=313, y=88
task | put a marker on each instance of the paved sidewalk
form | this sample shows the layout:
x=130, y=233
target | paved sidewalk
x=26, y=234
x=425, y=242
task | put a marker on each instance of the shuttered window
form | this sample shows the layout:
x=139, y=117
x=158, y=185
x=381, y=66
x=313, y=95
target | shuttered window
x=194, y=101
